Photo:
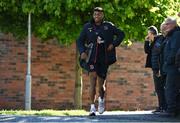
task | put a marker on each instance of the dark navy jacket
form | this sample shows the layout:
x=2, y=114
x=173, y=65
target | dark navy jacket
x=177, y=62
x=109, y=33
x=163, y=44
x=153, y=53
x=171, y=49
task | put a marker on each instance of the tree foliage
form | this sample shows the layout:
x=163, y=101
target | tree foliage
x=63, y=19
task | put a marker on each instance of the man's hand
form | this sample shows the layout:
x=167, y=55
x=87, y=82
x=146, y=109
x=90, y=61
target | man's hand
x=83, y=56
x=156, y=73
x=110, y=47
x=147, y=38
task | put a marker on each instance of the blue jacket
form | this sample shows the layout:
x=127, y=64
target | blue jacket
x=171, y=49
x=110, y=35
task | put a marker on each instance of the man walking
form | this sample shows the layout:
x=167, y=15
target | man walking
x=99, y=36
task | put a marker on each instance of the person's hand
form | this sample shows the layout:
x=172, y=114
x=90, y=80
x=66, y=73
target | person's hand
x=83, y=55
x=157, y=73
x=147, y=38
x=110, y=47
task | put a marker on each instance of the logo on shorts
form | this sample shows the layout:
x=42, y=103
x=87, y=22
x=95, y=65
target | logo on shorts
x=91, y=67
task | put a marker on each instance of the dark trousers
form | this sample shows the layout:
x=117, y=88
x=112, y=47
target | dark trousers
x=159, y=83
x=172, y=90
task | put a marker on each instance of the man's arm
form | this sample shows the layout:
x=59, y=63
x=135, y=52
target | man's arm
x=81, y=41
x=120, y=35
x=155, y=61
x=147, y=49
x=175, y=45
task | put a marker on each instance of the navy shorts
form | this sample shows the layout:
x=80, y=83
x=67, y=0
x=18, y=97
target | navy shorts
x=99, y=68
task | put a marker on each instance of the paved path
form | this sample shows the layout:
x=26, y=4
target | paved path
x=135, y=116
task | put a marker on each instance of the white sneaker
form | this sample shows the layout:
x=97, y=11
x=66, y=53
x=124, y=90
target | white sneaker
x=101, y=105
x=92, y=110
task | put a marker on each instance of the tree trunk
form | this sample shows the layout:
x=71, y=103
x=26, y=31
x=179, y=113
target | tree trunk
x=78, y=84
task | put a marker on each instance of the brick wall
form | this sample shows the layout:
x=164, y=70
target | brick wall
x=129, y=84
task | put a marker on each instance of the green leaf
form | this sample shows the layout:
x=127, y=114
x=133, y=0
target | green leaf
x=64, y=19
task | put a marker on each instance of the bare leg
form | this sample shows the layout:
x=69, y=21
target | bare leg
x=93, y=78
x=101, y=87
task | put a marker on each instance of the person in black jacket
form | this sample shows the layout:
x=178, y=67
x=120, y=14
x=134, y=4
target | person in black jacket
x=152, y=48
x=169, y=67
x=103, y=37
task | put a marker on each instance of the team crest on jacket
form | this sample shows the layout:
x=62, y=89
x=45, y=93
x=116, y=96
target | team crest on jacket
x=91, y=67
x=105, y=27
x=90, y=29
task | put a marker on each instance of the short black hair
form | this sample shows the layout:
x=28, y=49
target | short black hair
x=153, y=30
x=99, y=9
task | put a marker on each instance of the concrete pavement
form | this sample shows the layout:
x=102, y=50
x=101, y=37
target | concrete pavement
x=120, y=116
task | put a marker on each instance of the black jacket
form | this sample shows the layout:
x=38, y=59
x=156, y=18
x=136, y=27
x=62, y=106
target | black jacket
x=163, y=43
x=177, y=60
x=108, y=32
x=171, y=48
x=147, y=50
x=153, y=53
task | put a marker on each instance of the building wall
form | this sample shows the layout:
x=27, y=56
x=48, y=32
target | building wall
x=129, y=84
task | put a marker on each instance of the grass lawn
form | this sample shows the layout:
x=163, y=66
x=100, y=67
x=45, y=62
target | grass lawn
x=45, y=112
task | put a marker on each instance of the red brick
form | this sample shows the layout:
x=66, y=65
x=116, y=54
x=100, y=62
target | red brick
x=129, y=84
